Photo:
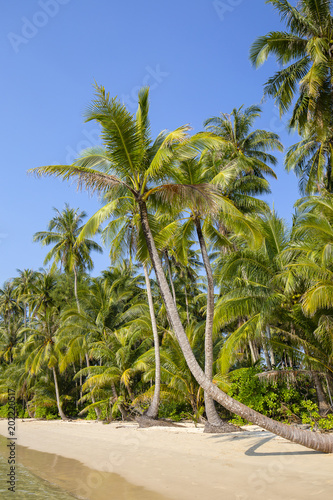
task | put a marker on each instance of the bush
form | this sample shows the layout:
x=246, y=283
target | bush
x=175, y=411
x=276, y=399
x=20, y=413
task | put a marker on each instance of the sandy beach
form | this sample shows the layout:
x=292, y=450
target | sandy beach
x=184, y=463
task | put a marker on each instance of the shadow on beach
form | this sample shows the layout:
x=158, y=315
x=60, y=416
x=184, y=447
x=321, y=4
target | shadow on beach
x=262, y=440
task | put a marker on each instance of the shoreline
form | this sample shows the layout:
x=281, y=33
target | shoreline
x=183, y=463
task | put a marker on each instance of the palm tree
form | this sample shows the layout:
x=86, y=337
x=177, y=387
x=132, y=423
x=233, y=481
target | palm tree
x=311, y=159
x=106, y=306
x=9, y=304
x=41, y=349
x=24, y=283
x=313, y=233
x=244, y=151
x=244, y=156
x=258, y=285
x=305, y=51
x=123, y=234
x=178, y=382
x=130, y=162
x=63, y=230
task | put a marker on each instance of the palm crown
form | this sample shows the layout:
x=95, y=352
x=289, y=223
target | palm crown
x=305, y=53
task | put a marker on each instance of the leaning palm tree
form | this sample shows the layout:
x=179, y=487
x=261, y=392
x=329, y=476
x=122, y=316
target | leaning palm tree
x=130, y=162
x=305, y=53
x=63, y=230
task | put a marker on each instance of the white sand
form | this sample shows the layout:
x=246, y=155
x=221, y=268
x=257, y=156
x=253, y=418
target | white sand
x=183, y=463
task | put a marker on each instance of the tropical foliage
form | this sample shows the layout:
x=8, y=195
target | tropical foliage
x=210, y=295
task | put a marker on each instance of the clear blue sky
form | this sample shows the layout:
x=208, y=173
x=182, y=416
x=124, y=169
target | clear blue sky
x=193, y=54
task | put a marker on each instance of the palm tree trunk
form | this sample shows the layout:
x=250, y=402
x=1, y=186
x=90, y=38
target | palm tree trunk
x=186, y=304
x=97, y=410
x=253, y=352
x=211, y=413
x=266, y=353
x=81, y=381
x=323, y=405
x=152, y=411
x=61, y=413
x=271, y=352
x=25, y=321
x=308, y=439
x=75, y=289
x=170, y=275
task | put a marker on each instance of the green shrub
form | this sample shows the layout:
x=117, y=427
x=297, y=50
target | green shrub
x=277, y=399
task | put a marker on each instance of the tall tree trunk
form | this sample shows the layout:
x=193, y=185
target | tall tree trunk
x=271, y=352
x=75, y=289
x=81, y=381
x=309, y=439
x=170, y=275
x=97, y=410
x=76, y=391
x=61, y=413
x=152, y=411
x=323, y=405
x=254, y=355
x=211, y=413
x=186, y=304
x=266, y=353
x=25, y=320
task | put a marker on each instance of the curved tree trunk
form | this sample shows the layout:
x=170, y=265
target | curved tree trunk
x=309, y=439
x=61, y=413
x=211, y=413
x=152, y=411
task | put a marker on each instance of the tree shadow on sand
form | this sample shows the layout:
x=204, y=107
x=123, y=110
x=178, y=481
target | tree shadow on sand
x=252, y=451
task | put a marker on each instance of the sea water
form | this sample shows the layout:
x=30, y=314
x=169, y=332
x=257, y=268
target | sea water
x=50, y=476
x=28, y=485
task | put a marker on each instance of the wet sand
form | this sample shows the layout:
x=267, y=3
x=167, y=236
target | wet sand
x=179, y=463
x=77, y=479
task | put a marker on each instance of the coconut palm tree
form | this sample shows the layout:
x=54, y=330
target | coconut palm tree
x=123, y=234
x=23, y=284
x=178, y=383
x=311, y=159
x=257, y=291
x=313, y=235
x=41, y=349
x=244, y=151
x=130, y=163
x=106, y=306
x=9, y=304
x=305, y=53
x=63, y=230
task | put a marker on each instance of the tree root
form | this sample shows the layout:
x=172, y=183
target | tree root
x=224, y=428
